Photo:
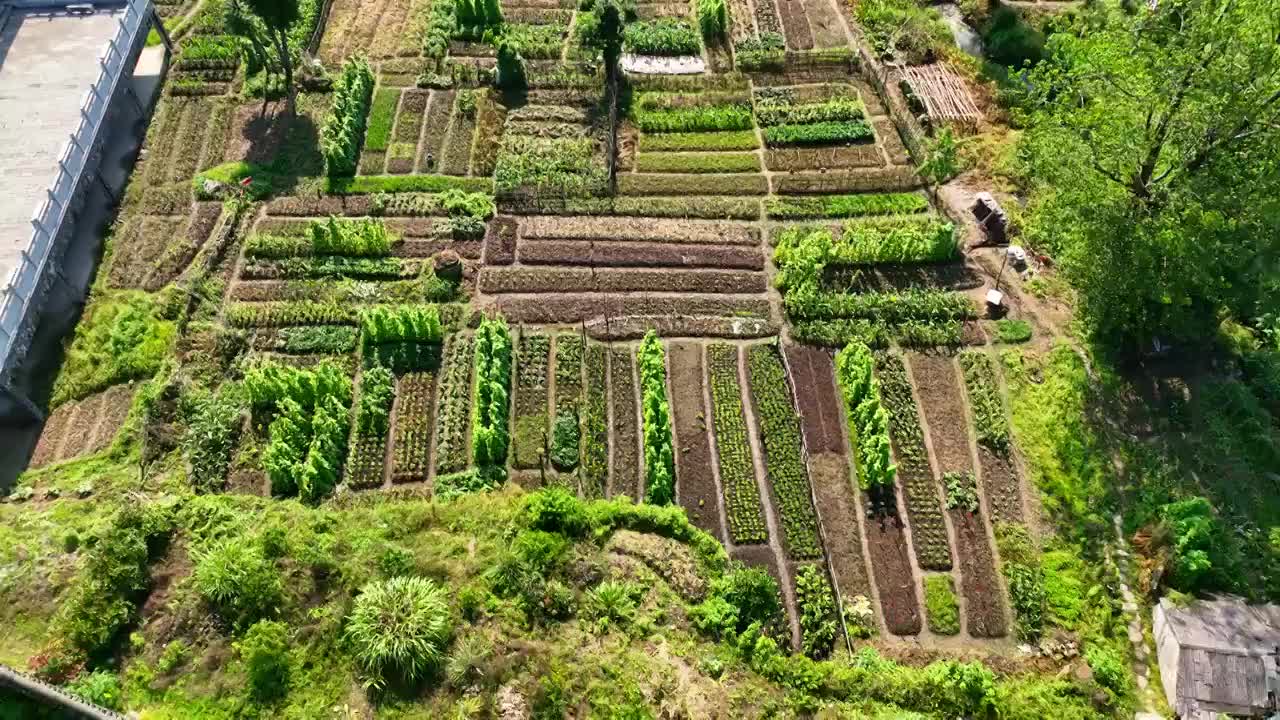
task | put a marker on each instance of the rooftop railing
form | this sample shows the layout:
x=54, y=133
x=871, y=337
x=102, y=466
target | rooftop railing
x=24, y=280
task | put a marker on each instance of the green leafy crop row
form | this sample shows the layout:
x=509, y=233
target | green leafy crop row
x=817, y=607
x=773, y=112
x=992, y=425
x=731, y=162
x=309, y=427
x=694, y=119
x=941, y=607
x=489, y=434
x=780, y=435
x=344, y=126
x=867, y=417
x=737, y=469
x=710, y=141
x=659, y=458
x=369, y=443
x=531, y=399
x=824, y=133
x=844, y=206
x=874, y=334
x=454, y=413
x=400, y=324
x=664, y=36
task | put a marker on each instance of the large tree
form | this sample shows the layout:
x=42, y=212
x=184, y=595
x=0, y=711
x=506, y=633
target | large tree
x=1154, y=150
x=268, y=22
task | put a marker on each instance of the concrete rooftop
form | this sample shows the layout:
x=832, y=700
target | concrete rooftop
x=48, y=61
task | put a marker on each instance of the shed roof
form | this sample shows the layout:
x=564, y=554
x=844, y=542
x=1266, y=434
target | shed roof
x=1221, y=681
x=1225, y=625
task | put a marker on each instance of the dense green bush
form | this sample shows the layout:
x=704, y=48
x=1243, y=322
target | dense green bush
x=659, y=459
x=238, y=580
x=490, y=437
x=713, y=18
x=941, y=607
x=357, y=238
x=1013, y=331
x=398, y=629
x=264, y=650
x=566, y=441
x=475, y=17
x=903, y=29
x=308, y=435
x=123, y=336
x=664, y=36
x=867, y=417
x=1009, y=40
x=737, y=599
x=344, y=126
x=1192, y=531
x=100, y=687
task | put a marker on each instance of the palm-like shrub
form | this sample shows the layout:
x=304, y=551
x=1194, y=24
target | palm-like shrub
x=399, y=628
x=239, y=581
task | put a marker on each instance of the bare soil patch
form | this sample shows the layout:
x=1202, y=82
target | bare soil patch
x=937, y=383
x=116, y=402
x=637, y=230
x=841, y=522
x=80, y=429
x=1000, y=483
x=668, y=559
x=983, y=596
x=439, y=109
x=795, y=25
x=633, y=327
x=887, y=544
x=625, y=476
x=256, y=137
x=821, y=411
x=825, y=23
x=500, y=241
x=696, y=487
x=52, y=436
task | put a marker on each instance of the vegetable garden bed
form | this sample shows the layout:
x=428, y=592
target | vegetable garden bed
x=743, y=508
x=533, y=360
x=625, y=476
x=453, y=421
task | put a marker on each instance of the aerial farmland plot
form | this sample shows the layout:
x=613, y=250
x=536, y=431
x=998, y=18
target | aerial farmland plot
x=537, y=358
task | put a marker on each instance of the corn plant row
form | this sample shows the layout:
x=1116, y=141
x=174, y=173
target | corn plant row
x=409, y=455
x=825, y=133
x=532, y=364
x=373, y=412
x=344, y=126
x=400, y=324
x=773, y=112
x=845, y=206
x=928, y=529
x=309, y=426
x=867, y=417
x=694, y=119
x=904, y=240
x=659, y=457
x=454, y=414
x=713, y=18
x=490, y=437
x=595, y=425
x=737, y=468
x=351, y=238
x=988, y=410
x=779, y=428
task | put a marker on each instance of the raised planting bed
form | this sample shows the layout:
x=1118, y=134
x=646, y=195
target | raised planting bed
x=941, y=606
x=795, y=24
x=818, y=614
x=655, y=426
x=533, y=360
x=500, y=241
x=697, y=162
x=711, y=207
x=733, y=449
x=570, y=308
x=415, y=393
x=627, y=229
x=851, y=181
x=820, y=407
x=999, y=478
x=779, y=428
x=696, y=486
x=501, y=280
x=625, y=477
x=915, y=476
x=891, y=563
x=631, y=254
x=839, y=157
x=938, y=386
x=699, y=141
x=691, y=184
x=845, y=206
x=983, y=596
x=453, y=419
x=368, y=453
x=595, y=423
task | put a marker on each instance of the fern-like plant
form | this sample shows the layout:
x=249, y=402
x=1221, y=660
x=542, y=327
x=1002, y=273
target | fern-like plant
x=398, y=629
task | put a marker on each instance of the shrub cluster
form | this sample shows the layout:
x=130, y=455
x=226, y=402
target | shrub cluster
x=664, y=36
x=377, y=390
x=867, y=417
x=398, y=629
x=489, y=433
x=713, y=18
x=238, y=580
x=659, y=459
x=310, y=426
x=345, y=124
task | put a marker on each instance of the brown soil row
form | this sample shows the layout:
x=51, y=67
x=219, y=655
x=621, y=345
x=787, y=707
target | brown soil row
x=825, y=22
x=182, y=250
x=51, y=436
x=1000, y=484
x=572, y=308
x=737, y=184
x=585, y=280
x=795, y=25
x=821, y=410
x=983, y=596
x=411, y=432
x=436, y=125
x=695, y=484
x=624, y=229
x=841, y=520
x=887, y=133
x=829, y=158
x=500, y=241
x=887, y=545
x=80, y=429
x=893, y=278
x=467, y=249
x=633, y=327
x=116, y=402
x=625, y=474
x=408, y=123
x=318, y=206
x=936, y=381
x=852, y=181
x=610, y=254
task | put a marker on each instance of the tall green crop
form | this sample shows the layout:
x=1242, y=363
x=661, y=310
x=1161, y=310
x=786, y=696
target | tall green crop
x=659, y=458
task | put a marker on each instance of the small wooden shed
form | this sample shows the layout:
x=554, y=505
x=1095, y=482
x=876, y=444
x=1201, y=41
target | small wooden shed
x=1219, y=657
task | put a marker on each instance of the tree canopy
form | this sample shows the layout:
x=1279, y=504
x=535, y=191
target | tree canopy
x=1154, y=149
